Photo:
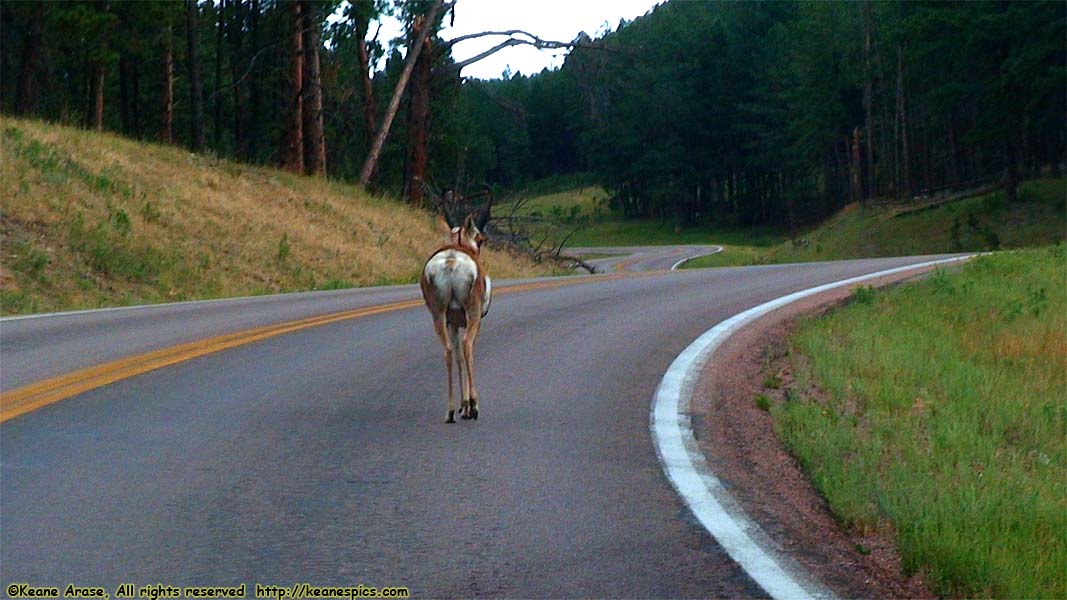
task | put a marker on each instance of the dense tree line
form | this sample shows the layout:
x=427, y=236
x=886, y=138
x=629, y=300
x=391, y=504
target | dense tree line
x=265, y=81
x=154, y=70
x=732, y=112
x=777, y=112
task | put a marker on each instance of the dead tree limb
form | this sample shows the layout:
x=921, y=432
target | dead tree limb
x=579, y=263
x=535, y=41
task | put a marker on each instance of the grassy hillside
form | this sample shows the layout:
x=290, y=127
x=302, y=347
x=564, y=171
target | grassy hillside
x=585, y=210
x=945, y=420
x=91, y=219
x=987, y=222
x=582, y=203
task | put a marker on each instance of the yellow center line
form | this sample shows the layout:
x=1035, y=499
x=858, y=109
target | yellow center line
x=620, y=267
x=36, y=395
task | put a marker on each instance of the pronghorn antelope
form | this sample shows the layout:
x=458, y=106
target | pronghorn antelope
x=457, y=291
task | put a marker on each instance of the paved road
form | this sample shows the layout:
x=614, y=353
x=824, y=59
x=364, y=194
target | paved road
x=641, y=258
x=322, y=455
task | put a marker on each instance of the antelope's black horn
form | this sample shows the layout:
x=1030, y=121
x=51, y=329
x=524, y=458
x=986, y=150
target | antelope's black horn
x=446, y=208
x=481, y=218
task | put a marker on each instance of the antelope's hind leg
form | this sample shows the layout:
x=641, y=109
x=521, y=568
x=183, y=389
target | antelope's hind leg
x=464, y=381
x=439, y=327
x=471, y=395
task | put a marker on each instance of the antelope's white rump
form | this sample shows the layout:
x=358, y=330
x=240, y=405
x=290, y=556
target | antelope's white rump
x=451, y=274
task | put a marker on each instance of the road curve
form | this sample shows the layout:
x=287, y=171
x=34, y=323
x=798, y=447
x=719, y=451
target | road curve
x=641, y=258
x=321, y=455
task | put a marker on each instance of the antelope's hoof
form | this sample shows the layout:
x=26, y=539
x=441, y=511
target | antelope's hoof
x=466, y=415
x=474, y=413
x=451, y=417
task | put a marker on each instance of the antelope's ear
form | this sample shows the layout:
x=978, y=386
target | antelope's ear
x=470, y=225
x=471, y=231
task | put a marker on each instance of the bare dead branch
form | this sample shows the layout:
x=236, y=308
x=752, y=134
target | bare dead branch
x=471, y=36
x=577, y=262
x=506, y=43
x=248, y=71
x=375, y=38
x=559, y=247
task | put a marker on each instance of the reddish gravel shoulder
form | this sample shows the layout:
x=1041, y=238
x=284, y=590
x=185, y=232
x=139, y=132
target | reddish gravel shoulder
x=743, y=451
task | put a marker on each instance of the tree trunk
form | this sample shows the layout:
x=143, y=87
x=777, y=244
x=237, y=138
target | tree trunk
x=95, y=110
x=314, y=142
x=362, y=27
x=233, y=37
x=856, y=164
x=868, y=100
x=220, y=23
x=786, y=188
x=390, y=113
x=898, y=186
x=1026, y=162
x=881, y=129
x=135, y=100
x=31, y=55
x=124, y=93
x=731, y=191
x=166, y=122
x=955, y=172
x=254, y=101
x=196, y=89
x=927, y=155
x=1011, y=166
x=294, y=128
x=369, y=124
x=418, y=123
x=902, y=121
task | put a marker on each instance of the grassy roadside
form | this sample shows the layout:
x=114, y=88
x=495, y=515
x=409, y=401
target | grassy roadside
x=943, y=420
x=979, y=223
x=90, y=219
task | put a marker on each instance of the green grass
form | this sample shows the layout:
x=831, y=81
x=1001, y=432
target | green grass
x=570, y=205
x=772, y=381
x=585, y=211
x=731, y=256
x=944, y=419
x=987, y=222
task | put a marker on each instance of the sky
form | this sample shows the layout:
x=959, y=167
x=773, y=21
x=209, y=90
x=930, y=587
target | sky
x=556, y=20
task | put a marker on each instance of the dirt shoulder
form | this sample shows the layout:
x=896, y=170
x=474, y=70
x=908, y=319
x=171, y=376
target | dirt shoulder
x=741, y=448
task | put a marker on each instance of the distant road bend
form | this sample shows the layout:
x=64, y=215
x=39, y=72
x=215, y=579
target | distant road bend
x=318, y=453
x=641, y=258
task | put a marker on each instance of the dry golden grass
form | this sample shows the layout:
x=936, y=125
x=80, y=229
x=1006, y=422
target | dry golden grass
x=91, y=219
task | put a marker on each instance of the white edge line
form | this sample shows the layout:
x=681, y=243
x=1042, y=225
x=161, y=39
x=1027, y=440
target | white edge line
x=683, y=461
x=675, y=266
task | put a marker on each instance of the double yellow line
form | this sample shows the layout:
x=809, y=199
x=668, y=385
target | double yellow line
x=36, y=395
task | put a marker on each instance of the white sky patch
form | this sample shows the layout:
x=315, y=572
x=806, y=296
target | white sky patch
x=555, y=20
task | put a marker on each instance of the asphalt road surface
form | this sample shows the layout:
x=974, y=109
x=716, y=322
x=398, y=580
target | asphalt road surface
x=322, y=455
